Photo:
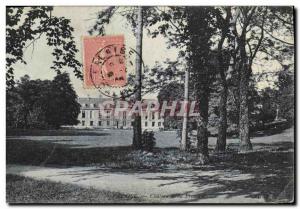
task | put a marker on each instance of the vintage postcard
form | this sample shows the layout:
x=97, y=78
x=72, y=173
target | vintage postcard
x=150, y=104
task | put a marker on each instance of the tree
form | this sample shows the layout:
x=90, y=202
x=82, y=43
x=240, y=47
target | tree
x=62, y=107
x=285, y=95
x=15, y=107
x=201, y=27
x=173, y=91
x=137, y=128
x=23, y=99
x=255, y=34
x=244, y=70
x=191, y=29
x=223, y=61
x=25, y=25
x=269, y=104
x=42, y=104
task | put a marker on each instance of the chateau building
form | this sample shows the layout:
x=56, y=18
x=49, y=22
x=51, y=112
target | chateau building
x=91, y=116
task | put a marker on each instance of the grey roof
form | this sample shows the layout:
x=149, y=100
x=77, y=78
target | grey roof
x=92, y=100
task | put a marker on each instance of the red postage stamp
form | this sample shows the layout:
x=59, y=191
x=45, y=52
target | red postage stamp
x=104, y=61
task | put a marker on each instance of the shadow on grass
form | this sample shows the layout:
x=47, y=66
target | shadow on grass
x=22, y=190
x=267, y=132
x=31, y=152
x=263, y=174
x=58, y=132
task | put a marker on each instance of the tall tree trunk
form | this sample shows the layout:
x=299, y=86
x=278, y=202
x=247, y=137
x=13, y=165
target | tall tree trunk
x=222, y=126
x=236, y=95
x=137, y=128
x=223, y=65
x=245, y=143
x=202, y=122
x=183, y=144
x=244, y=76
x=200, y=34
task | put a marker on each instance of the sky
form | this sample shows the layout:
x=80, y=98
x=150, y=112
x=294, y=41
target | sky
x=39, y=58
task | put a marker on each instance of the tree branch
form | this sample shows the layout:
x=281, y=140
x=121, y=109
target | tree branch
x=261, y=37
x=282, y=20
x=282, y=41
x=250, y=49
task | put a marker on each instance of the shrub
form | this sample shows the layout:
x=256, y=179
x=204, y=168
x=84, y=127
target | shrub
x=148, y=141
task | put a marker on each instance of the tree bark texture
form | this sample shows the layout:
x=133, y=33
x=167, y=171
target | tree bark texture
x=137, y=126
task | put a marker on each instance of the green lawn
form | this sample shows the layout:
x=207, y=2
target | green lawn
x=77, y=150
x=271, y=162
x=27, y=190
x=77, y=138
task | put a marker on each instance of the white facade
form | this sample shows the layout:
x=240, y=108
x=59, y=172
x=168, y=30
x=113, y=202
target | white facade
x=90, y=117
x=152, y=121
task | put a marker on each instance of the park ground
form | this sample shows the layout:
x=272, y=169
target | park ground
x=99, y=166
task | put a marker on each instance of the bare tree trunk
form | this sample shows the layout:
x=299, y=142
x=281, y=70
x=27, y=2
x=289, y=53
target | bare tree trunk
x=244, y=76
x=245, y=143
x=137, y=128
x=236, y=95
x=222, y=127
x=183, y=144
x=222, y=67
x=202, y=122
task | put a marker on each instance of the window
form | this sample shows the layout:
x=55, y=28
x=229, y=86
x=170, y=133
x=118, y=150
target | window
x=153, y=116
x=99, y=123
x=124, y=115
x=83, y=123
x=146, y=117
x=146, y=124
x=91, y=114
x=153, y=124
x=108, y=123
x=83, y=114
x=159, y=124
x=107, y=114
x=124, y=123
x=91, y=123
x=99, y=115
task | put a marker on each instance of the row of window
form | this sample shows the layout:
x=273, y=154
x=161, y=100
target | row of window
x=153, y=124
x=152, y=116
x=91, y=105
x=99, y=116
x=100, y=123
x=123, y=123
x=108, y=115
x=106, y=106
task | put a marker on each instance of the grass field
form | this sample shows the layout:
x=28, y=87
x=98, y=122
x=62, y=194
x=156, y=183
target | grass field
x=27, y=190
x=75, y=147
x=91, y=138
x=270, y=164
x=72, y=148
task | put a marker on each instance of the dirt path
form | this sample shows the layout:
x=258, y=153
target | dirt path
x=161, y=187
